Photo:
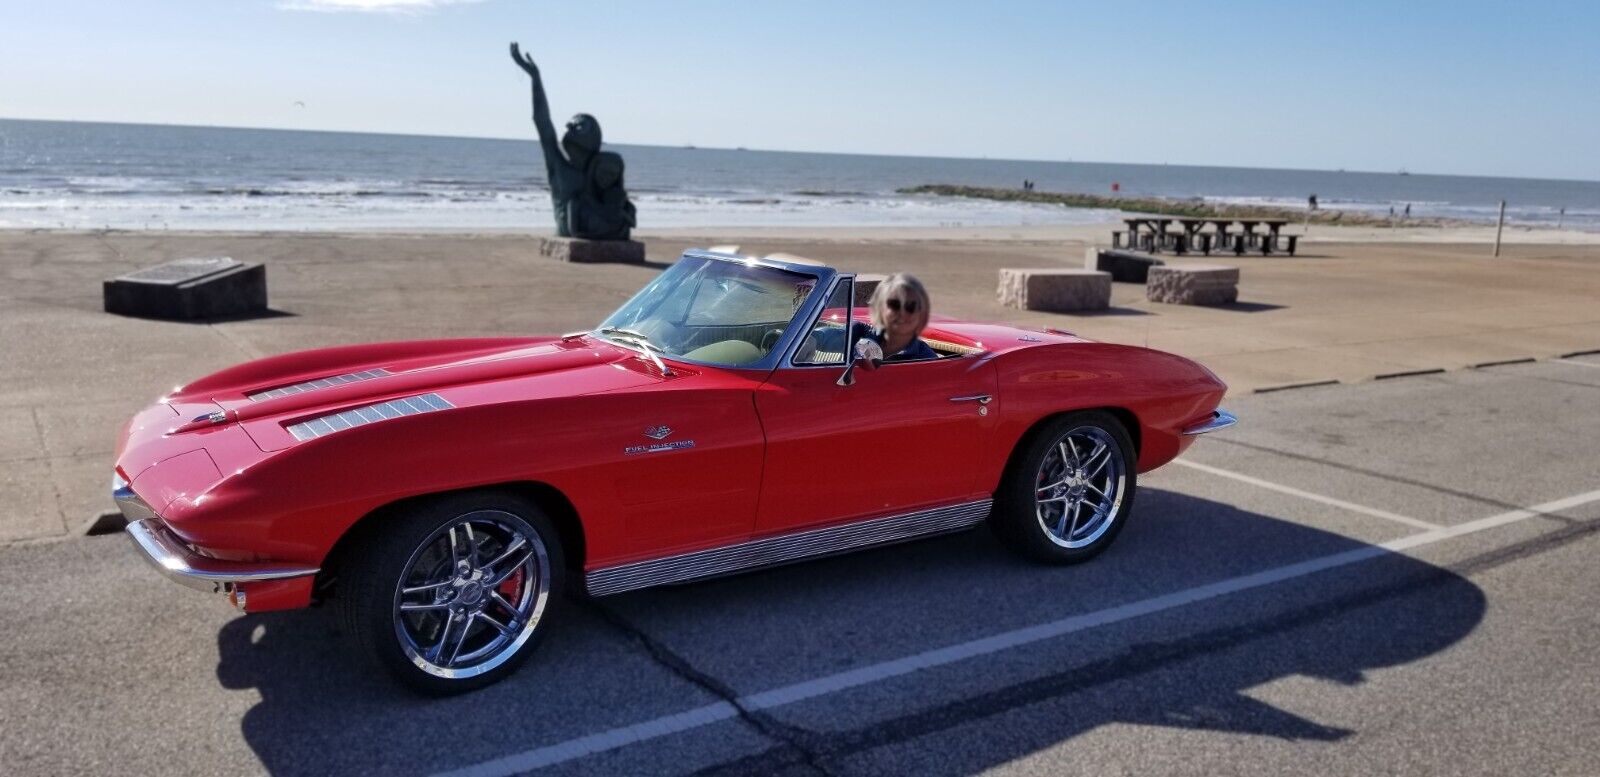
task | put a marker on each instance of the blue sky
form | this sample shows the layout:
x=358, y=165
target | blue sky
x=1464, y=87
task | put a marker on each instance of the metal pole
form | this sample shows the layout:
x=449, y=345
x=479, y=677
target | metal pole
x=1499, y=227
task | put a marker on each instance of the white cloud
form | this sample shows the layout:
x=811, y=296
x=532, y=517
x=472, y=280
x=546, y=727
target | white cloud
x=369, y=6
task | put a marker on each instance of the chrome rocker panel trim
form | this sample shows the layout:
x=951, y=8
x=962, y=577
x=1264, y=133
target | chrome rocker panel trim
x=163, y=549
x=1220, y=419
x=783, y=549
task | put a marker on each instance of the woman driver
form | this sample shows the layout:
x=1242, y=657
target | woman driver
x=899, y=309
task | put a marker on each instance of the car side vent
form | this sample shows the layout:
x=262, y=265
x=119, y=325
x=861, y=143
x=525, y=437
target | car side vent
x=320, y=383
x=360, y=416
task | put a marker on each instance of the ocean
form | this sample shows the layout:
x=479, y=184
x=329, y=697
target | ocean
x=80, y=175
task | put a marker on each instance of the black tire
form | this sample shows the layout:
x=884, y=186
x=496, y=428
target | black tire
x=1025, y=516
x=414, y=545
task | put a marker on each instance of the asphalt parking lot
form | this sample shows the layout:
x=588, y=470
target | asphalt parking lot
x=1393, y=576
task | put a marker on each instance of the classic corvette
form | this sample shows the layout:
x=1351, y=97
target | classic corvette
x=441, y=493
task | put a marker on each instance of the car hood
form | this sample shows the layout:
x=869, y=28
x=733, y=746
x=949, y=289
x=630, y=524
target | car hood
x=266, y=394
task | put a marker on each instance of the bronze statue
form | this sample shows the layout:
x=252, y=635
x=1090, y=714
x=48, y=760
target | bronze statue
x=585, y=183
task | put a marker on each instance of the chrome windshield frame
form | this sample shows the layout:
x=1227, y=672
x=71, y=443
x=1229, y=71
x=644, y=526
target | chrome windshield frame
x=813, y=318
x=808, y=311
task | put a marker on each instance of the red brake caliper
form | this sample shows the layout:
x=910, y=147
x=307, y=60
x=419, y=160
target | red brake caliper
x=511, y=589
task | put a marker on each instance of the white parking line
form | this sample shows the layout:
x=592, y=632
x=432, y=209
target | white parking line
x=1580, y=364
x=1327, y=500
x=612, y=739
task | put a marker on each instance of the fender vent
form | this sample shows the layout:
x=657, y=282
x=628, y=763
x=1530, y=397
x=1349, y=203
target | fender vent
x=320, y=383
x=361, y=416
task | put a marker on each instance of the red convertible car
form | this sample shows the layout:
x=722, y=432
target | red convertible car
x=440, y=493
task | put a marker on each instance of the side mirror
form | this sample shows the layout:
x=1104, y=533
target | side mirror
x=865, y=350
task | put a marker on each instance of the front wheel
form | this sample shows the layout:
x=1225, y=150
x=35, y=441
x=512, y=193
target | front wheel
x=1068, y=490
x=452, y=594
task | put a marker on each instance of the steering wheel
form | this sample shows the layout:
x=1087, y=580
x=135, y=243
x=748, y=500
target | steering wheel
x=770, y=340
x=807, y=352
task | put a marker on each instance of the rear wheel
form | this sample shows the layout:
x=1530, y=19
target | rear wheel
x=1069, y=490
x=453, y=594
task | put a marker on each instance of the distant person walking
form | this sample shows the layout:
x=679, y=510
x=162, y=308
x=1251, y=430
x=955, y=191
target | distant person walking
x=1312, y=201
x=1407, y=214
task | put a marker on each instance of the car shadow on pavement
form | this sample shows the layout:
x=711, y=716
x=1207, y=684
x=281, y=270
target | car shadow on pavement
x=621, y=661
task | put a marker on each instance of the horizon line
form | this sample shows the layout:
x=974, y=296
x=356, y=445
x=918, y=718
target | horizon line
x=1402, y=171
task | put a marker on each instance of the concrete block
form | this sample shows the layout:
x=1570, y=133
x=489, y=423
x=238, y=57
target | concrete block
x=573, y=249
x=188, y=289
x=1055, y=289
x=1204, y=284
x=1124, y=266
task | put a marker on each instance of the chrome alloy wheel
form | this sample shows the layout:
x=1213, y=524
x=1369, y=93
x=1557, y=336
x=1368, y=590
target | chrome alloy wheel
x=1078, y=490
x=471, y=595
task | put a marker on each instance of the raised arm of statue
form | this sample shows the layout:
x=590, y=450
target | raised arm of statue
x=541, y=109
x=587, y=197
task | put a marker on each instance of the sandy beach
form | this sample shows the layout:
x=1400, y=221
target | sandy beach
x=1354, y=305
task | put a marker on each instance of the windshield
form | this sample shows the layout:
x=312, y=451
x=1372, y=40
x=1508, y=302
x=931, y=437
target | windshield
x=721, y=312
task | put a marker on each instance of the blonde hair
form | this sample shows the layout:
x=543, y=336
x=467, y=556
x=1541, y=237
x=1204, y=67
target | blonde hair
x=913, y=289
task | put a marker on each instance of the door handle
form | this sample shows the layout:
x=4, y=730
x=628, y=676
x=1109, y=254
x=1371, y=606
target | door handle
x=982, y=399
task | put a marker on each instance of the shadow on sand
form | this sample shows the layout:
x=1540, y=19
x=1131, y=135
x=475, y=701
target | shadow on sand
x=322, y=710
x=1249, y=307
x=1107, y=313
x=268, y=313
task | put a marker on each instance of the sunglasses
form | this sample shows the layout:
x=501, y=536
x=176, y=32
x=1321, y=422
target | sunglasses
x=909, y=306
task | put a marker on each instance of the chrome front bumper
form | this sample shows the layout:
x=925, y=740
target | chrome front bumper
x=1220, y=419
x=133, y=508
x=162, y=548
x=158, y=545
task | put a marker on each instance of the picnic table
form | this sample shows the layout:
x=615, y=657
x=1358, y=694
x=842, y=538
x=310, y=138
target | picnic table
x=1142, y=233
x=1152, y=233
x=1266, y=241
x=1220, y=234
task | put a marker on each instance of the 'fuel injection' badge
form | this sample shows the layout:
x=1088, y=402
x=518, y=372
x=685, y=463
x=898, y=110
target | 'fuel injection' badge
x=658, y=447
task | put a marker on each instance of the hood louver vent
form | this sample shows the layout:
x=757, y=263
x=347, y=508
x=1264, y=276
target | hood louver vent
x=319, y=383
x=361, y=416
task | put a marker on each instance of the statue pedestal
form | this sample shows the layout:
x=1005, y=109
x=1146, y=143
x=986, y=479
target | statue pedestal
x=575, y=249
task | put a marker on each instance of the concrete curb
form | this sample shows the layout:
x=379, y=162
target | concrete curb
x=1427, y=371
x=1288, y=386
x=1503, y=362
x=1409, y=373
